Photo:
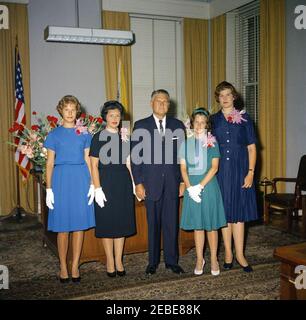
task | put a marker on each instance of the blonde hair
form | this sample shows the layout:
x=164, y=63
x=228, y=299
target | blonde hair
x=66, y=100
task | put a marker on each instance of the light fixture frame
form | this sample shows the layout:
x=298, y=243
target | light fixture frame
x=88, y=35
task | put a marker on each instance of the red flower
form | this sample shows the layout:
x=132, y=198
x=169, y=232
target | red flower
x=78, y=132
x=99, y=120
x=91, y=118
x=230, y=119
x=35, y=127
x=52, y=119
x=34, y=113
x=16, y=127
x=83, y=115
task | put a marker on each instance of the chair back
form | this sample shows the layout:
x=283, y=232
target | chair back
x=301, y=177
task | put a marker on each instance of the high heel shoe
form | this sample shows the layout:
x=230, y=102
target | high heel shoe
x=228, y=266
x=121, y=273
x=111, y=274
x=77, y=279
x=64, y=280
x=215, y=272
x=199, y=272
x=247, y=268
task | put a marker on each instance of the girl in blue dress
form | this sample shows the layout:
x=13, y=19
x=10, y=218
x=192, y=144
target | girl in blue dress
x=202, y=206
x=236, y=137
x=68, y=185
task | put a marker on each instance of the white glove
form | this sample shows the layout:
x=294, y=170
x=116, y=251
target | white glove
x=135, y=191
x=91, y=194
x=100, y=197
x=49, y=198
x=195, y=191
x=195, y=198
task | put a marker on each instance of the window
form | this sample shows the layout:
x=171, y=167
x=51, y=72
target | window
x=247, y=56
x=156, y=62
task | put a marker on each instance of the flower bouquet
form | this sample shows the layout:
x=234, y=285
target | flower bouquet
x=31, y=140
x=86, y=123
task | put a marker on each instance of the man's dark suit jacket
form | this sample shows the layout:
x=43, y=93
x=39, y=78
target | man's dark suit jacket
x=155, y=176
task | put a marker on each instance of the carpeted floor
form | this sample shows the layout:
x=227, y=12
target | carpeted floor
x=33, y=271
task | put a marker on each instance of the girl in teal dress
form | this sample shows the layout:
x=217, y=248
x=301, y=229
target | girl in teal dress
x=202, y=206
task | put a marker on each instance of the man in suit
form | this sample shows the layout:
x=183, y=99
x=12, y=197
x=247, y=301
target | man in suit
x=158, y=180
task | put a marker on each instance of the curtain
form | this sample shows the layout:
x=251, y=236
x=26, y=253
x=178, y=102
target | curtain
x=196, y=63
x=18, y=27
x=272, y=126
x=218, y=56
x=112, y=56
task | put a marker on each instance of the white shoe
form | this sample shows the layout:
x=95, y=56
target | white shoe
x=215, y=272
x=199, y=272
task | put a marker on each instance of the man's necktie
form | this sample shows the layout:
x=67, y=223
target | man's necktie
x=161, y=128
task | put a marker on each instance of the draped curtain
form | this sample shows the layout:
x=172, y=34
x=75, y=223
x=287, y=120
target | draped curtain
x=196, y=63
x=218, y=56
x=112, y=55
x=272, y=125
x=18, y=29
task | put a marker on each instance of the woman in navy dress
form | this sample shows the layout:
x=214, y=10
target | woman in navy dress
x=114, y=199
x=236, y=137
x=68, y=185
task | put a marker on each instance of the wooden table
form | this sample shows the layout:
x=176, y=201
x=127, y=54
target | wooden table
x=93, y=247
x=290, y=257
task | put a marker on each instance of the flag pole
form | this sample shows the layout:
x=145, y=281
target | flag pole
x=18, y=210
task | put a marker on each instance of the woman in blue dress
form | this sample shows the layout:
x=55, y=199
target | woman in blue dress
x=68, y=186
x=235, y=134
x=202, y=206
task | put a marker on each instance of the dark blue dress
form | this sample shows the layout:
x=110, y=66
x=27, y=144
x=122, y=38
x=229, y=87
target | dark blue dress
x=117, y=218
x=239, y=203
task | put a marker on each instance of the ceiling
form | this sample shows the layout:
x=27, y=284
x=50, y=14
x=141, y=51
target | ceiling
x=207, y=1
x=199, y=0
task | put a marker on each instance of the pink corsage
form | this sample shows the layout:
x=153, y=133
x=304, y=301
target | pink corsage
x=80, y=127
x=209, y=141
x=236, y=116
x=124, y=132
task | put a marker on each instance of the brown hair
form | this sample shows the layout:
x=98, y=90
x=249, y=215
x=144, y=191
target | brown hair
x=223, y=86
x=201, y=112
x=69, y=99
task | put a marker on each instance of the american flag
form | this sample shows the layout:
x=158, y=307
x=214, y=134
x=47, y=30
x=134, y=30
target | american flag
x=20, y=117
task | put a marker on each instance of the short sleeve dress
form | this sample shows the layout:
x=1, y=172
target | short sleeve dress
x=70, y=181
x=234, y=138
x=209, y=214
x=117, y=218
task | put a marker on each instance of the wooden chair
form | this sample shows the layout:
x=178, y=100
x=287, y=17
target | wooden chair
x=290, y=203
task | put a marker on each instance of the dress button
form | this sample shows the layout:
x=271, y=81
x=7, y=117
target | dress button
x=227, y=151
x=227, y=140
x=227, y=132
x=227, y=158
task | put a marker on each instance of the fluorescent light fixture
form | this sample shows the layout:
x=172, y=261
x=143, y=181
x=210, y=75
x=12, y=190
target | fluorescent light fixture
x=86, y=35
